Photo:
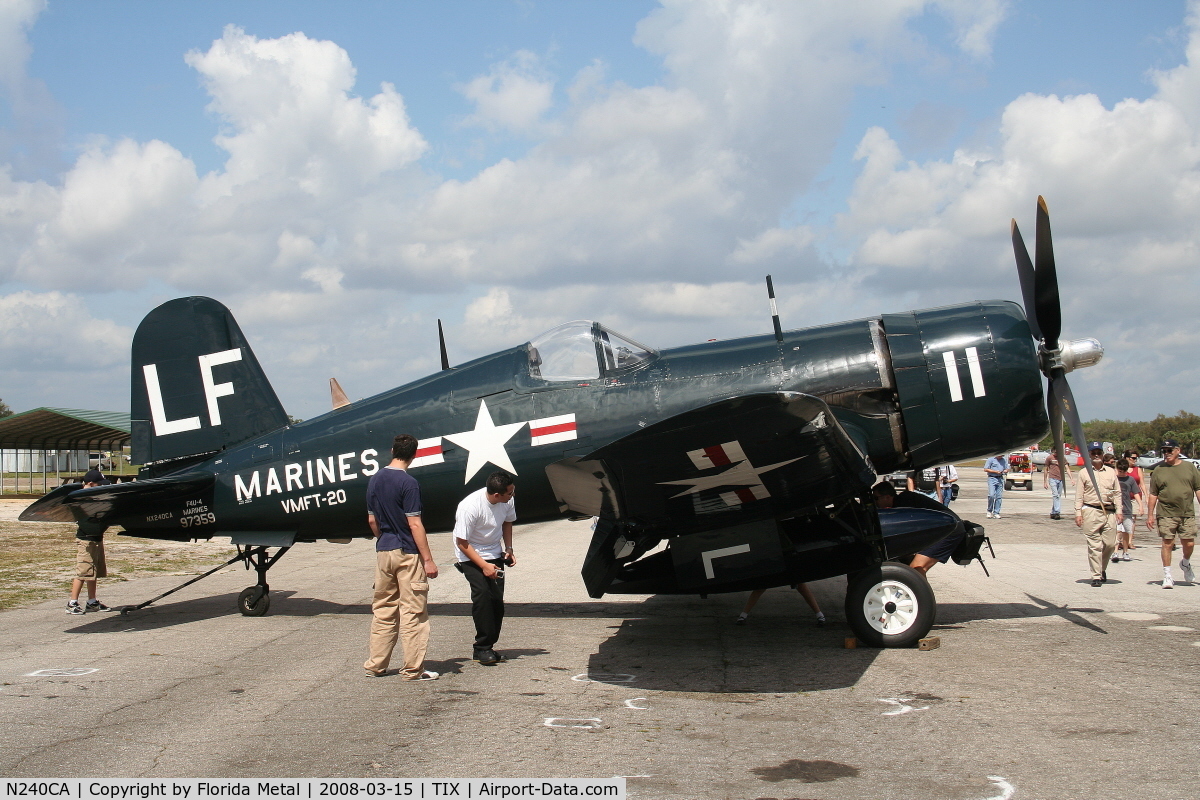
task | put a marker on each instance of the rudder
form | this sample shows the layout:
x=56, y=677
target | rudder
x=196, y=386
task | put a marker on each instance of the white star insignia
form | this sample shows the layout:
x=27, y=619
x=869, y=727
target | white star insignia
x=486, y=443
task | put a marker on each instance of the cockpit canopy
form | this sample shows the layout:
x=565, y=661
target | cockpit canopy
x=582, y=350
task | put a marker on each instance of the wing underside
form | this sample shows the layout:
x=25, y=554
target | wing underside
x=744, y=491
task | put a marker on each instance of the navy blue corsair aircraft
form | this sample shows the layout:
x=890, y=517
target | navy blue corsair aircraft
x=717, y=467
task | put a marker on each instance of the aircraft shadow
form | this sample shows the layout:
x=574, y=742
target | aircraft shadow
x=682, y=644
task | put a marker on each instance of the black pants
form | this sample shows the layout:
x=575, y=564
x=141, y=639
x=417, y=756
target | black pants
x=487, y=602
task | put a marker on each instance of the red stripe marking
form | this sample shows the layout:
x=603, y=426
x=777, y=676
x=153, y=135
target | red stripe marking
x=745, y=495
x=717, y=456
x=549, y=429
x=435, y=450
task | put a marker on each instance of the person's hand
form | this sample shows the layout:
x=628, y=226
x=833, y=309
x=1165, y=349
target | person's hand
x=1078, y=519
x=431, y=569
x=489, y=569
x=510, y=559
x=1150, y=522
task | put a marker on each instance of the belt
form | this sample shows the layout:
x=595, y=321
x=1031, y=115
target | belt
x=1109, y=509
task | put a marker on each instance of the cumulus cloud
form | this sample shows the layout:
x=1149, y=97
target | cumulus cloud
x=513, y=96
x=55, y=332
x=29, y=144
x=1123, y=185
x=655, y=208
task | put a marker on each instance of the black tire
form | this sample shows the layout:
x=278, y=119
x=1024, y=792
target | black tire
x=1008, y=486
x=254, y=601
x=1029, y=486
x=891, y=605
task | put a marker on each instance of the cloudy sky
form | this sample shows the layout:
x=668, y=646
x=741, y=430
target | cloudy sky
x=343, y=175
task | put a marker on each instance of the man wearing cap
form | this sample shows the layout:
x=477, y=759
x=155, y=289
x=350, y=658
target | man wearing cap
x=1173, y=484
x=1098, y=512
x=89, y=558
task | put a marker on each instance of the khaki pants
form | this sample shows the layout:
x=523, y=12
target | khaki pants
x=400, y=608
x=1101, y=532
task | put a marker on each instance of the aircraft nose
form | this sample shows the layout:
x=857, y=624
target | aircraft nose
x=1080, y=353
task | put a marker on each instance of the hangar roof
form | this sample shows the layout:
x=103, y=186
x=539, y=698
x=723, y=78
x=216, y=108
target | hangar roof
x=64, y=429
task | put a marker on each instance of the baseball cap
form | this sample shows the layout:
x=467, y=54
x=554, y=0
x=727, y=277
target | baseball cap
x=1095, y=446
x=1169, y=443
x=94, y=476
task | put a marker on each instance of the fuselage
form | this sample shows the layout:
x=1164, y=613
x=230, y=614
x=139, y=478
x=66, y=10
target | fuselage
x=912, y=390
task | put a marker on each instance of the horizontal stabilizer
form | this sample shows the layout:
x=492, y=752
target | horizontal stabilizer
x=133, y=505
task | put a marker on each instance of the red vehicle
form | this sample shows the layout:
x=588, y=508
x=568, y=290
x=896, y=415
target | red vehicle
x=1020, y=470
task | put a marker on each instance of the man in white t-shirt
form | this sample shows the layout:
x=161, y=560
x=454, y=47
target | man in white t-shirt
x=483, y=545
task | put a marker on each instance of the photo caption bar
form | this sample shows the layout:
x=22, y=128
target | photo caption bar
x=308, y=788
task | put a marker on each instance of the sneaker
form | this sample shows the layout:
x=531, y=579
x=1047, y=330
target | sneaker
x=1168, y=582
x=73, y=607
x=741, y=620
x=1188, y=575
x=96, y=605
x=1127, y=556
x=995, y=516
x=426, y=675
x=820, y=620
x=989, y=515
x=486, y=657
x=372, y=674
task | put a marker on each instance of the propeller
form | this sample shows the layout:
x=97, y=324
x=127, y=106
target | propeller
x=1043, y=309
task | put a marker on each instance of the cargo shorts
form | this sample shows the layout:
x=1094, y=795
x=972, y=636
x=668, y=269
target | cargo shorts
x=1170, y=527
x=89, y=561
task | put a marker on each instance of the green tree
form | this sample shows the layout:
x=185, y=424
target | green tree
x=5, y=411
x=1142, y=436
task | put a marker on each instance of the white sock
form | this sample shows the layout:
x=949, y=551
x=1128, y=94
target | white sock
x=821, y=615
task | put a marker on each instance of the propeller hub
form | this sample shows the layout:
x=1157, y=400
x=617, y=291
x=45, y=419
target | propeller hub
x=1072, y=355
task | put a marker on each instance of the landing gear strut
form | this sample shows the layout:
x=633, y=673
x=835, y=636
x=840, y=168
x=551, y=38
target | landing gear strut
x=254, y=600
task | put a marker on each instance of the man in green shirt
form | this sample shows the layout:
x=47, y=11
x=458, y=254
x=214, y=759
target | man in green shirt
x=1173, y=485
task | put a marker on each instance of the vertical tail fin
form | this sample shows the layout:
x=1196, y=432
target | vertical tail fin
x=196, y=386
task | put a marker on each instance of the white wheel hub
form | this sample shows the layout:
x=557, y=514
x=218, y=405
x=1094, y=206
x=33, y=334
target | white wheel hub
x=891, y=607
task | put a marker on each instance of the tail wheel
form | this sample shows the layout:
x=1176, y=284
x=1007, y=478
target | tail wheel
x=890, y=606
x=254, y=601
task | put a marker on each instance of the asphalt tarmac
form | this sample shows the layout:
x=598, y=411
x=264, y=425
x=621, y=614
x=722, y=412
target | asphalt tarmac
x=1043, y=686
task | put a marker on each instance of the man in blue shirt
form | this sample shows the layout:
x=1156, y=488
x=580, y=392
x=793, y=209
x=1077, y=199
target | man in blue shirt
x=403, y=566
x=996, y=468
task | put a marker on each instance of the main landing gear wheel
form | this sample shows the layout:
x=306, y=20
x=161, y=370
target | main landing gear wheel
x=891, y=605
x=254, y=601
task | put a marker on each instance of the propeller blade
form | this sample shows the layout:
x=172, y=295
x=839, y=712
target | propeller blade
x=1026, y=275
x=1056, y=428
x=1049, y=308
x=1065, y=401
